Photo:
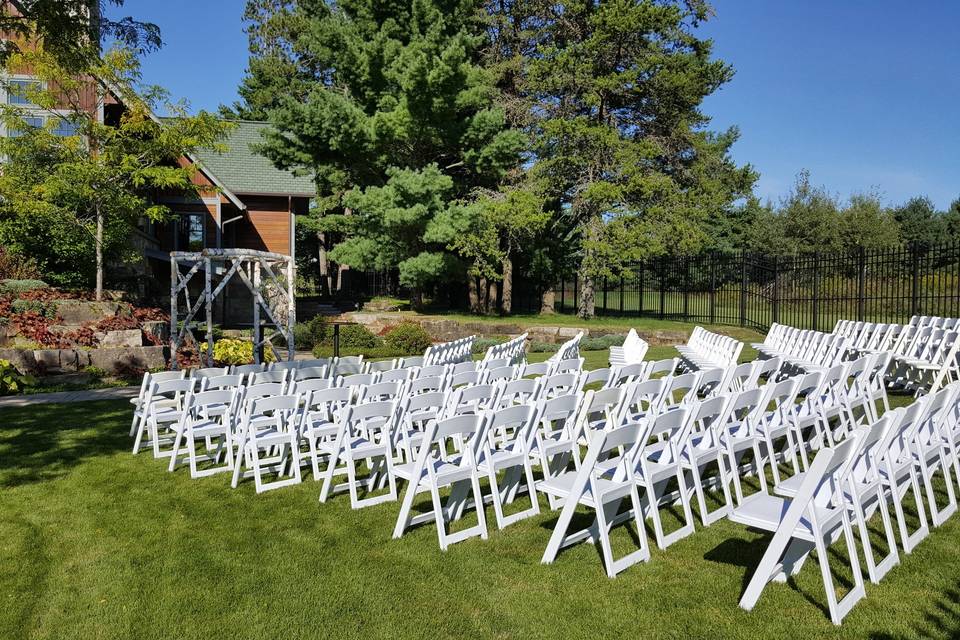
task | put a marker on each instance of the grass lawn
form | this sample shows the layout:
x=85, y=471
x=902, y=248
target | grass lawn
x=97, y=543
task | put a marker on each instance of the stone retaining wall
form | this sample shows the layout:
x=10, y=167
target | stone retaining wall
x=443, y=329
x=112, y=360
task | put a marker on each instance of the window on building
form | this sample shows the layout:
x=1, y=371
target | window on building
x=65, y=128
x=189, y=232
x=17, y=91
x=30, y=121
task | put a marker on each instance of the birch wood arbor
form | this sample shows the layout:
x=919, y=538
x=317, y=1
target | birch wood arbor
x=268, y=276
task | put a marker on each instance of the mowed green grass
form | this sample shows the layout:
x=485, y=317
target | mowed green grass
x=98, y=543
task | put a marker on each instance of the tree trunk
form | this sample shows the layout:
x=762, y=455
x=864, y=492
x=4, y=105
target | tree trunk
x=586, y=308
x=473, y=294
x=492, y=298
x=326, y=282
x=506, y=297
x=588, y=266
x=484, y=293
x=343, y=268
x=99, y=253
x=547, y=301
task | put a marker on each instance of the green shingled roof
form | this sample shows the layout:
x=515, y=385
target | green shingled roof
x=242, y=170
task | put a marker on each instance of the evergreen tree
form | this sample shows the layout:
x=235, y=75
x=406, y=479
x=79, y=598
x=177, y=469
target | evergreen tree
x=920, y=223
x=613, y=90
x=274, y=70
x=400, y=126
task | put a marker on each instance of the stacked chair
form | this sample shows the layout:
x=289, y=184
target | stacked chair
x=802, y=350
x=706, y=350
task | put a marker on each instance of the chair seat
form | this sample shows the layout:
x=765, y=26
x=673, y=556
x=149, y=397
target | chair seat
x=789, y=487
x=501, y=459
x=765, y=512
x=562, y=485
x=445, y=471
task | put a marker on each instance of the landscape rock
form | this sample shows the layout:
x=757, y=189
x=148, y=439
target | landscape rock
x=47, y=359
x=122, y=338
x=78, y=312
x=117, y=360
x=159, y=329
x=22, y=360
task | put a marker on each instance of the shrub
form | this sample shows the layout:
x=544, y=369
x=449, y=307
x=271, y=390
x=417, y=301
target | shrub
x=15, y=266
x=19, y=286
x=355, y=336
x=45, y=309
x=601, y=343
x=11, y=380
x=232, y=351
x=307, y=335
x=409, y=338
x=95, y=372
x=542, y=347
x=480, y=345
x=371, y=353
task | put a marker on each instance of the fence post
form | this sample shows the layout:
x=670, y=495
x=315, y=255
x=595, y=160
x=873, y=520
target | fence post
x=663, y=285
x=604, y=294
x=576, y=293
x=915, y=280
x=776, y=289
x=713, y=288
x=643, y=270
x=861, y=284
x=563, y=293
x=816, y=291
x=686, y=288
x=621, y=293
x=743, y=289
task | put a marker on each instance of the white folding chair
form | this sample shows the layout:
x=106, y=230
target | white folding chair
x=208, y=418
x=434, y=470
x=813, y=520
x=322, y=413
x=364, y=433
x=268, y=441
x=513, y=455
x=603, y=481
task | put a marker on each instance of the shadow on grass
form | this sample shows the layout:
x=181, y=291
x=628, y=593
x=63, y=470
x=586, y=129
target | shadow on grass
x=942, y=620
x=43, y=442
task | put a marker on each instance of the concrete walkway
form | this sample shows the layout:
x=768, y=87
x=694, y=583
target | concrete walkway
x=114, y=393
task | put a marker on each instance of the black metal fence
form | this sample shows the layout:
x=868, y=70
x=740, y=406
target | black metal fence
x=809, y=291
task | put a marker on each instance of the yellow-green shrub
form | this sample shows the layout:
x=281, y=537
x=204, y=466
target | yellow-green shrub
x=235, y=351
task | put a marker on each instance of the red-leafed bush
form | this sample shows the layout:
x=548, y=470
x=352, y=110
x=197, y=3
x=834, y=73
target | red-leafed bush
x=150, y=314
x=117, y=323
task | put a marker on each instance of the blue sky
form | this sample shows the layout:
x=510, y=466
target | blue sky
x=863, y=93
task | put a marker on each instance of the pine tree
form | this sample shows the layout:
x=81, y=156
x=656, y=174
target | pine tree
x=613, y=90
x=400, y=126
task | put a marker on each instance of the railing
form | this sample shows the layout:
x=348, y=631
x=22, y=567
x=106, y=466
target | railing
x=809, y=291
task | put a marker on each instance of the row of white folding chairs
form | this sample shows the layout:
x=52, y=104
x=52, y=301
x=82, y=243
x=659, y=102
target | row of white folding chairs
x=705, y=349
x=633, y=350
x=792, y=413
x=647, y=436
x=453, y=352
x=802, y=349
x=924, y=351
x=847, y=485
x=569, y=349
x=512, y=350
x=925, y=359
x=165, y=399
